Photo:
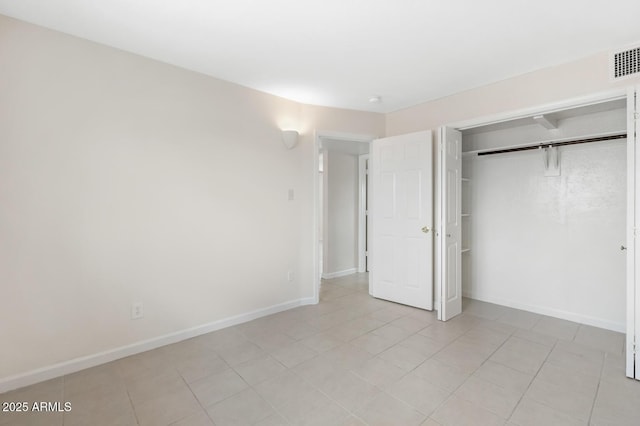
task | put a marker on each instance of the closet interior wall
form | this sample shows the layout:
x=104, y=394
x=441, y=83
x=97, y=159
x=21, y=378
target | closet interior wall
x=548, y=244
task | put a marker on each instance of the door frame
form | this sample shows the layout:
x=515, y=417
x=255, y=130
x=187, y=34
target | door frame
x=633, y=195
x=633, y=289
x=362, y=211
x=319, y=135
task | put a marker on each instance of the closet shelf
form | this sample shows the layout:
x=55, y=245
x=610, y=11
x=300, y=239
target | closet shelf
x=464, y=250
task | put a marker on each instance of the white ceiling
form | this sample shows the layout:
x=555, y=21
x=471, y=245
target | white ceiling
x=341, y=52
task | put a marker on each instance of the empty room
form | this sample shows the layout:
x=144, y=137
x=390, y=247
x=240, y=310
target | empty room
x=319, y=213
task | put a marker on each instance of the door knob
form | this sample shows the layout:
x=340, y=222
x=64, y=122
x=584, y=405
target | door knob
x=623, y=248
x=425, y=229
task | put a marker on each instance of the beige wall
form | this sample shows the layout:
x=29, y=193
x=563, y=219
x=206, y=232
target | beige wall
x=555, y=84
x=123, y=179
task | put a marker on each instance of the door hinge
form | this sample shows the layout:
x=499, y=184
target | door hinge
x=366, y=253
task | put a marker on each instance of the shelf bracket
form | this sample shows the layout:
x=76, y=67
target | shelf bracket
x=545, y=122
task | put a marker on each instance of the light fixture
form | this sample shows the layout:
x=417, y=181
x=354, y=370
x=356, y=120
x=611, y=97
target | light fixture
x=290, y=138
x=375, y=99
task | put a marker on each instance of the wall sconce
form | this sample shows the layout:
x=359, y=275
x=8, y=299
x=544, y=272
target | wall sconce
x=290, y=138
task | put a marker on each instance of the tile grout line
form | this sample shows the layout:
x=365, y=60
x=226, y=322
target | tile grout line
x=291, y=370
x=64, y=413
x=212, y=374
x=323, y=392
x=537, y=372
x=133, y=407
x=533, y=379
x=548, y=406
x=470, y=375
x=350, y=371
x=595, y=396
x=451, y=394
x=195, y=397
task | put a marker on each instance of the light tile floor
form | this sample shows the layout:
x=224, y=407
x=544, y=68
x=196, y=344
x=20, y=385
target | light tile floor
x=354, y=360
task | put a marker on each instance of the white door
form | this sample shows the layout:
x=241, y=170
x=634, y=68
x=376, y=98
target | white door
x=401, y=214
x=450, y=236
x=633, y=218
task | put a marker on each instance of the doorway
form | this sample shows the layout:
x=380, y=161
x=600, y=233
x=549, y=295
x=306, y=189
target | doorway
x=341, y=232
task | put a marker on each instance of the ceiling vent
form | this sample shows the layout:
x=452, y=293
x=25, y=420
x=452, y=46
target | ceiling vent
x=625, y=63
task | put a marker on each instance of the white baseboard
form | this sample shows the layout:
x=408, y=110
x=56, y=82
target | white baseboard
x=308, y=301
x=77, y=364
x=339, y=274
x=556, y=313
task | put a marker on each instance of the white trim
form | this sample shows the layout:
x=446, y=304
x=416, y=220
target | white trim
x=317, y=216
x=632, y=200
x=317, y=143
x=323, y=210
x=339, y=274
x=556, y=313
x=348, y=137
x=80, y=363
x=362, y=212
x=437, y=217
x=548, y=108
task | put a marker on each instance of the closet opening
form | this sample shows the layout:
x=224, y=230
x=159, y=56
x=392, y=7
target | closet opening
x=543, y=214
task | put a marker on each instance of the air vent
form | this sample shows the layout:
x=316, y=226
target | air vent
x=626, y=63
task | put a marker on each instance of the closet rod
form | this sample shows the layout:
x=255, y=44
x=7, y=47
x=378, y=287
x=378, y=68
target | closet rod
x=553, y=144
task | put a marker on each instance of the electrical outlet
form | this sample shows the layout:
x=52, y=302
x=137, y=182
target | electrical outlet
x=137, y=310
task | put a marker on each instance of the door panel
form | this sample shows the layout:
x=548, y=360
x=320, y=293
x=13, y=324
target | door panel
x=452, y=199
x=451, y=235
x=452, y=272
x=401, y=197
x=415, y=255
x=413, y=201
x=386, y=269
x=388, y=195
